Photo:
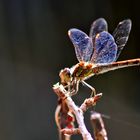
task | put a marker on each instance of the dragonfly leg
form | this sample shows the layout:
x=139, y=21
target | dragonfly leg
x=75, y=88
x=93, y=91
x=72, y=88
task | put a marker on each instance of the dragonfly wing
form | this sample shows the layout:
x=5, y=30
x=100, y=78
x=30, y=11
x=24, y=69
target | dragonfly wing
x=105, y=48
x=98, y=26
x=121, y=34
x=82, y=43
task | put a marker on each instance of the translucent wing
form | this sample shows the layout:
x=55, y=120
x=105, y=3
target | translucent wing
x=105, y=48
x=121, y=34
x=98, y=26
x=82, y=43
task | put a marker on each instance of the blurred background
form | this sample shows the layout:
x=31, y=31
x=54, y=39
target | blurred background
x=34, y=47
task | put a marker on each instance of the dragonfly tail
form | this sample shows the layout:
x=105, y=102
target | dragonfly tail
x=115, y=65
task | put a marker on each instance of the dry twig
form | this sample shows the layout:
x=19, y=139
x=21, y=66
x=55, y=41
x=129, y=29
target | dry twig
x=62, y=93
x=98, y=125
x=71, y=131
x=90, y=102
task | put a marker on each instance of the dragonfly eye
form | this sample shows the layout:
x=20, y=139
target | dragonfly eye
x=65, y=76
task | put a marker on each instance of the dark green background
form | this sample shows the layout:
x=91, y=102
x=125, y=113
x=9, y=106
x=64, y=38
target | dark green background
x=34, y=47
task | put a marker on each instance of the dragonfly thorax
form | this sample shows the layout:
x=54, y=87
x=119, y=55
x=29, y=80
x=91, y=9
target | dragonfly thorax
x=83, y=70
x=78, y=72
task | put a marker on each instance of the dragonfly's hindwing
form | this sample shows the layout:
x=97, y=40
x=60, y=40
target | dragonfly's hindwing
x=105, y=48
x=121, y=34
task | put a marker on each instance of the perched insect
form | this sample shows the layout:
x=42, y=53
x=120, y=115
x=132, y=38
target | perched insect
x=96, y=53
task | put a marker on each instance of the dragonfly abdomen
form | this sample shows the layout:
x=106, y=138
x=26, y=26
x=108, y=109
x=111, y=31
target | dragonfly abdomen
x=116, y=65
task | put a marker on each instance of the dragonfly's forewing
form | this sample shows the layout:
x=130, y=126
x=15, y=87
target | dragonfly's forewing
x=121, y=34
x=98, y=26
x=105, y=48
x=82, y=43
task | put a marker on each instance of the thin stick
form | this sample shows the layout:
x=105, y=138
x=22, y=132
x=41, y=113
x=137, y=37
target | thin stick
x=98, y=125
x=61, y=92
x=60, y=122
x=71, y=131
x=90, y=102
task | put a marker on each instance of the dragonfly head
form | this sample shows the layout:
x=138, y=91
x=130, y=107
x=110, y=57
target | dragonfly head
x=65, y=76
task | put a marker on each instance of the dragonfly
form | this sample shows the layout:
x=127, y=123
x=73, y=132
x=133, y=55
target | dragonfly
x=96, y=53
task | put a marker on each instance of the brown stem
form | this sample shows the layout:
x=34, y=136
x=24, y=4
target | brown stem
x=98, y=126
x=62, y=93
x=90, y=102
x=71, y=131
